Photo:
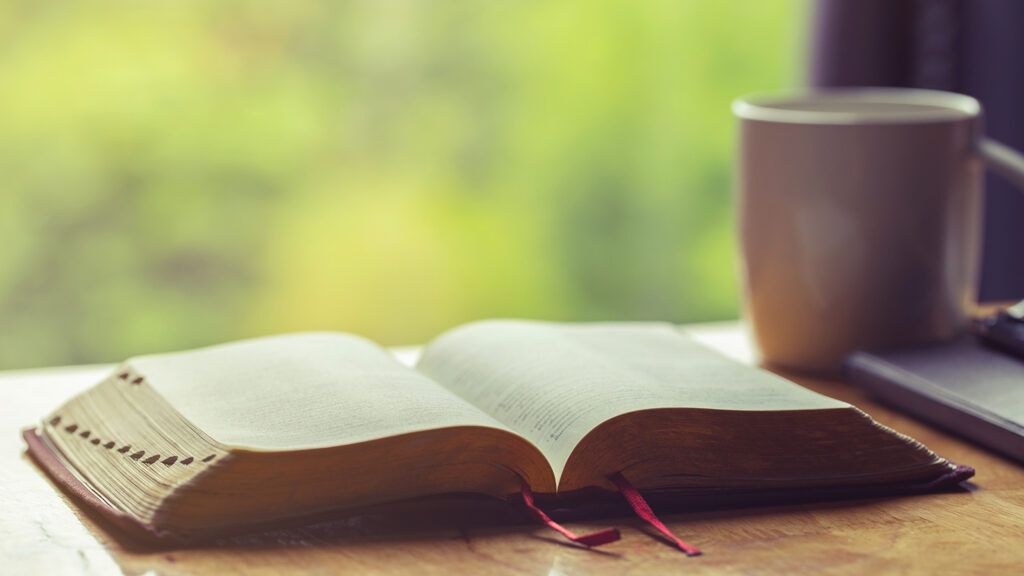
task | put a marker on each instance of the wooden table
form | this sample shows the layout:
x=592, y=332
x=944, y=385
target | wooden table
x=980, y=531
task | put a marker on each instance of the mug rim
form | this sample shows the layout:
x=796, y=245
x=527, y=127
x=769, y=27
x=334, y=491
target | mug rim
x=785, y=107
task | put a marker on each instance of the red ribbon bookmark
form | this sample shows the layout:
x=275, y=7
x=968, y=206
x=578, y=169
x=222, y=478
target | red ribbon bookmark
x=589, y=540
x=643, y=510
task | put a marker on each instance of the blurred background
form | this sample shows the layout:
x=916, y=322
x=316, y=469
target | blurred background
x=179, y=174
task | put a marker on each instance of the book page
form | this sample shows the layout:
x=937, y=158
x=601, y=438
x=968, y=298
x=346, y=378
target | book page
x=302, y=391
x=554, y=383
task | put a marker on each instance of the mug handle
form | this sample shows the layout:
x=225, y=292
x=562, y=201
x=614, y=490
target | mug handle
x=1004, y=161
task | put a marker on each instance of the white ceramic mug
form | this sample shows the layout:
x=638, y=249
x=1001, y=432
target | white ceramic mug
x=860, y=218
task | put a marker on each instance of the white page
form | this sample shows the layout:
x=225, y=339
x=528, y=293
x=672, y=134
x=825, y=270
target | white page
x=302, y=391
x=553, y=383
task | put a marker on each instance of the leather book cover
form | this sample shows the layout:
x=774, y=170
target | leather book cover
x=962, y=386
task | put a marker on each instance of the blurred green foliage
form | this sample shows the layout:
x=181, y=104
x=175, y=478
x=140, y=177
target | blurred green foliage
x=174, y=174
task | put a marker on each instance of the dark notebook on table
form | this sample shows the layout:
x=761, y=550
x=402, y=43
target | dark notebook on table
x=962, y=386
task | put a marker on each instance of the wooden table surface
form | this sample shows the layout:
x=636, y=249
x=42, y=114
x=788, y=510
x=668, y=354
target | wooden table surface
x=979, y=531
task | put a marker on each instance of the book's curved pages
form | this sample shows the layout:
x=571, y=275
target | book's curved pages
x=233, y=437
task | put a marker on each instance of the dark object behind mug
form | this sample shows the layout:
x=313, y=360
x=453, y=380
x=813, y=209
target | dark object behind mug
x=955, y=45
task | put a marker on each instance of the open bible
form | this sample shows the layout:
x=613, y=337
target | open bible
x=210, y=441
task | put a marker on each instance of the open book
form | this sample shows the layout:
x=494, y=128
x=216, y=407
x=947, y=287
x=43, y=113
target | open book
x=208, y=441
